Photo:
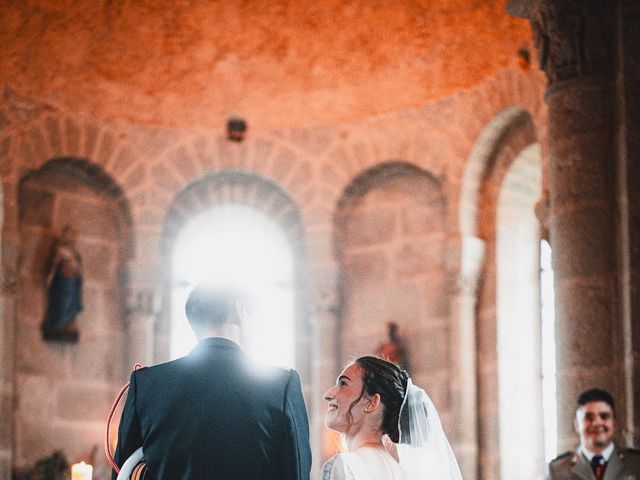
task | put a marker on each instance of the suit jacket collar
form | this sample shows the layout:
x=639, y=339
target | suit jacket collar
x=215, y=343
x=582, y=467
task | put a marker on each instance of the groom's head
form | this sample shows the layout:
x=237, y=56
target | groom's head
x=214, y=311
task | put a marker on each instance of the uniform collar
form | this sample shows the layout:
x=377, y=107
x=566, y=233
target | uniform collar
x=606, y=453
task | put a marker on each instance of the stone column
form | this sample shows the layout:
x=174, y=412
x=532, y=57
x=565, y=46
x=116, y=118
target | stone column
x=465, y=274
x=141, y=319
x=326, y=364
x=627, y=74
x=573, y=38
x=8, y=283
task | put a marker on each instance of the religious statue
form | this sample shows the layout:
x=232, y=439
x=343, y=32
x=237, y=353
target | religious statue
x=393, y=349
x=64, y=284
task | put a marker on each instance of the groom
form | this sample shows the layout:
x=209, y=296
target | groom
x=213, y=414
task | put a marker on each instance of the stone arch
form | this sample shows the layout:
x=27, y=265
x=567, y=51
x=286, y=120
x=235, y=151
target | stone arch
x=236, y=186
x=80, y=378
x=481, y=159
x=252, y=190
x=389, y=242
x=495, y=151
x=86, y=172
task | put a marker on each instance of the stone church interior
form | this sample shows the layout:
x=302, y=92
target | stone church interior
x=465, y=171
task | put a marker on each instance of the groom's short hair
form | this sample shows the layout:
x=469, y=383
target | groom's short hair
x=210, y=305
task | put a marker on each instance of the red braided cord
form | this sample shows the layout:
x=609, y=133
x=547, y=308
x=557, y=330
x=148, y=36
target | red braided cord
x=107, y=446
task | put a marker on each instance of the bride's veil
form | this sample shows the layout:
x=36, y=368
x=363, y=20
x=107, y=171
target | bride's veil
x=423, y=450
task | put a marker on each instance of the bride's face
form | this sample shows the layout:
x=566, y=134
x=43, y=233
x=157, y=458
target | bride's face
x=342, y=412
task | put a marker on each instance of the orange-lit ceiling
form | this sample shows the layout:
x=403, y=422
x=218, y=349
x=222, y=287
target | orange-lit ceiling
x=278, y=63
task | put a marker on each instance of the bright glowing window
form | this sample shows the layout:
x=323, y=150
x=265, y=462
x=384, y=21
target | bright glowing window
x=547, y=312
x=238, y=246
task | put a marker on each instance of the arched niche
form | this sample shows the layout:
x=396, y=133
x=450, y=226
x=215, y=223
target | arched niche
x=390, y=236
x=66, y=388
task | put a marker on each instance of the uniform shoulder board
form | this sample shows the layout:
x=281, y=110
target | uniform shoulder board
x=562, y=456
x=632, y=451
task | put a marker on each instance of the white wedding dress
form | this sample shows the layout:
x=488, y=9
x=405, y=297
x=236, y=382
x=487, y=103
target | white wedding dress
x=423, y=449
x=365, y=463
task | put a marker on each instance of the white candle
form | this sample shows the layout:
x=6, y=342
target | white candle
x=81, y=471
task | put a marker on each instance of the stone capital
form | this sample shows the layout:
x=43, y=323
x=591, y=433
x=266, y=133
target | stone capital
x=465, y=275
x=542, y=211
x=326, y=301
x=573, y=38
x=140, y=301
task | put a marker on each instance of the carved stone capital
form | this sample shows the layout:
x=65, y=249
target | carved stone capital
x=542, y=210
x=573, y=38
x=466, y=275
x=326, y=301
x=140, y=301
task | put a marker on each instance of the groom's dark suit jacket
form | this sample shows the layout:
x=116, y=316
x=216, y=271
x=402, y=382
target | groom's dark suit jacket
x=215, y=414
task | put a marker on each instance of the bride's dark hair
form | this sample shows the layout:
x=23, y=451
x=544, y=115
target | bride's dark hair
x=390, y=382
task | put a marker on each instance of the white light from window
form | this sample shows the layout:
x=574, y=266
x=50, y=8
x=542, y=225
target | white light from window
x=238, y=246
x=547, y=311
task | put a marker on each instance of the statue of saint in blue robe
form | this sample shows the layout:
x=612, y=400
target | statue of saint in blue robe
x=64, y=291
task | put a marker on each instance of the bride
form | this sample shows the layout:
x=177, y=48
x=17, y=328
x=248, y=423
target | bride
x=390, y=427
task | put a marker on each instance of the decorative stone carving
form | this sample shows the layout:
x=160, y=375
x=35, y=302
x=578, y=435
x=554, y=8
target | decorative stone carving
x=572, y=38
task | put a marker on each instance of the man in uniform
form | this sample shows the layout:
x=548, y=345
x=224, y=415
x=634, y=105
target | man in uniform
x=215, y=414
x=597, y=457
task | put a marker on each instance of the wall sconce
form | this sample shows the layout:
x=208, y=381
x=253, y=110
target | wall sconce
x=524, y=57
x=236, y=129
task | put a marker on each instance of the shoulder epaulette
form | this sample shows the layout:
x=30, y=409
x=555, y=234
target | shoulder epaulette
x=632, y=451
x=562, y=455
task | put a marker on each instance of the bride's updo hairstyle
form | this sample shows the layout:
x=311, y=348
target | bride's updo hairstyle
x=390, y=382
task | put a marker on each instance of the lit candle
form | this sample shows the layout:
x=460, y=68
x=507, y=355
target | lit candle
x=81, y=471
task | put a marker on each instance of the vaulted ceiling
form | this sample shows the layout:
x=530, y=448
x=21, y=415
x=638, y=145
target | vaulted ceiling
x=278, y=63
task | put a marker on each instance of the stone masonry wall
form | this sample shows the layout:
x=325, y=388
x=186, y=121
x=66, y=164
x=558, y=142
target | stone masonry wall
x=64, y=390
x=390, y=236
x=390, y=242
x=314, y=166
